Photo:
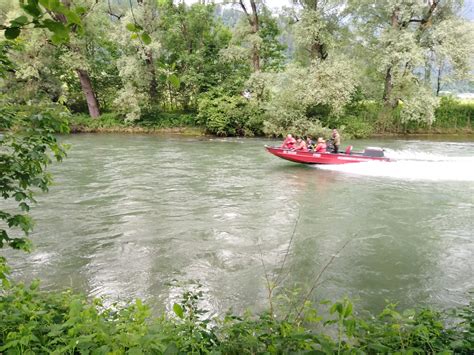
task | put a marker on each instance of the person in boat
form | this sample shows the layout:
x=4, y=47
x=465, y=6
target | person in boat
x=336, y=140
x=301, y=145
x=309, y=143
x=289, y=142
x=321, y=146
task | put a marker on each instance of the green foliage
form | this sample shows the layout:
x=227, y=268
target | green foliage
x=230, y=115
x=150, y=119
x=38, y=322
x=454, y=114
x=37, y=10
x=83, y=122
x=156, y=118
x=24, y=156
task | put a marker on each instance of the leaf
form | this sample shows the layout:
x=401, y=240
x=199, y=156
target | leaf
x=12, y=32
x=172, y=349
x=50, y=4
x=55, y=26
x=34, y=284
x=73, y=17
x=135, y=351
x=20, y=21
x=131, y=27
x=178, y=310
x=80, y=10
x=348, y=309
x=146, y=38
x=58, y=39
x=32, y=9
x=174, y=80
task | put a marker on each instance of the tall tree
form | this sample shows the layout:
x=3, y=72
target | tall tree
x=82, y=72
x=252, y=18
x=318, y=24
x=400, y=38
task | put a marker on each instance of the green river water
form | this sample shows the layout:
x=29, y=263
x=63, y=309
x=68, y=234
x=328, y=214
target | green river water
x=149, y=216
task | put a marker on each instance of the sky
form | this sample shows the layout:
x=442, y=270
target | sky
x=269, y=3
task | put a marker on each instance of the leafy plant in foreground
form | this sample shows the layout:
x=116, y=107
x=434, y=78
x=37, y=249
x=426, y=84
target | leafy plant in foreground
x=24, y=156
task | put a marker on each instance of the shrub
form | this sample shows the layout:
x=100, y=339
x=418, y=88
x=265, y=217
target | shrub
x=453, y=113
x=155, y=117
x=106, y=120
x=63, y=322
x=230, y=115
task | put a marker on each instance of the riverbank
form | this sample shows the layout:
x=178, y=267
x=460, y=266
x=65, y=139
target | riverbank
x=184, y=124
x=64, y=322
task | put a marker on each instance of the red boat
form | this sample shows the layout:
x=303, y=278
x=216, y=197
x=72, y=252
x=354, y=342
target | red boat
x=311, y=157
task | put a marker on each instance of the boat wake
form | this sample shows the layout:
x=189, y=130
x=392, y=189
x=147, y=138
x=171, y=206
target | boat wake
x=413, y=165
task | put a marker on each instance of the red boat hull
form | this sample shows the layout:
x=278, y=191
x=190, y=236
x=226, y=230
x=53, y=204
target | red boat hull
x=321, y=158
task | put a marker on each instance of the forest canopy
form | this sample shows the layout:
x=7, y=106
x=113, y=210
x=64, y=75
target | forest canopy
x=239, y=67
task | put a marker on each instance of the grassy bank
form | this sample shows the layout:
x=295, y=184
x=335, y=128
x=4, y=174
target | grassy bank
x=360, y=120
x=172, y=123
x=37, y=322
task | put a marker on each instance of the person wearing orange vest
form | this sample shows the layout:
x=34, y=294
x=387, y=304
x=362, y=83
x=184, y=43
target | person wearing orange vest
x=321, y=147
x=289, y=142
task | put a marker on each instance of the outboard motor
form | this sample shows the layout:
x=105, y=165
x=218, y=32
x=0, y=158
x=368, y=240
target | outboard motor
x=373, y=152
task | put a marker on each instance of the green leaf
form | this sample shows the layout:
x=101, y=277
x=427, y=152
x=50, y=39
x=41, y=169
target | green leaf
x=135, y=351
x=32, y=9
x=73, y=17
x=59, y=39
x=174, y=80
x=55, y=26
x=61, y=33
x=12, y=32
x=80, y=10
x=348, y=309
x=20, y=21
x=50, y=4
x=34, y=284
x=131, y=27
x=172, y=349
x=146, y=38
x=178, y=310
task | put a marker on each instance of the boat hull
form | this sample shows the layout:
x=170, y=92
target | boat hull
x=311, y=157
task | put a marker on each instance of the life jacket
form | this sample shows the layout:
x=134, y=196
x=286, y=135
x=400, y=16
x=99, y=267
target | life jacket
x=320, y=148
x=288, y=143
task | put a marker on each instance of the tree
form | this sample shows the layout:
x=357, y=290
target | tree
x=401, y=39
x=253, y=21
x=62, y=19
x=318, y=26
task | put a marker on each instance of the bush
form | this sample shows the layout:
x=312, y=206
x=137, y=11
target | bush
x=39, y=322
x=230, y=115
x=80, y=122
x=356, y=127
x=156, y=118
x=453, y=113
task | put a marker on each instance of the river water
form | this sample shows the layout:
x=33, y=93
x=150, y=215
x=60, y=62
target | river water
x=149, y=216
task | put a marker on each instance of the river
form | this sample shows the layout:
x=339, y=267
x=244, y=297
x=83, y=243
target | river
x=149, y=216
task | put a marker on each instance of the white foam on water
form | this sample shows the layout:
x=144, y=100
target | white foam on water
x=413, y=165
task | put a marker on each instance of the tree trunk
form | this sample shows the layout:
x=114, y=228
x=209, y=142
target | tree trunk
x=388, y=86
x=88, y=91
x=153, y=90
x=387, y=90
x=253, y=21
x=318, y=51
x=438, y=81
x=83, y=75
